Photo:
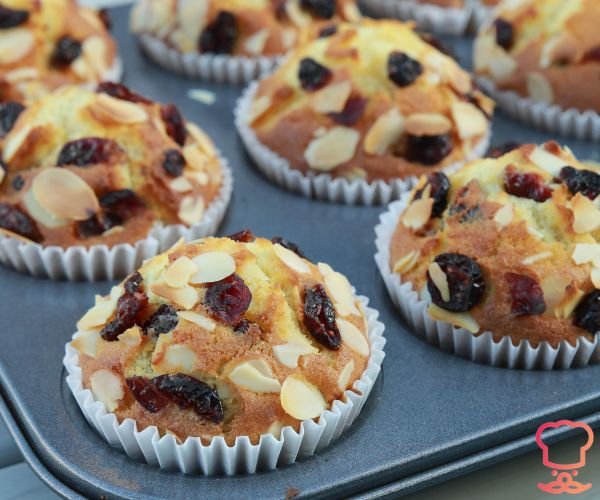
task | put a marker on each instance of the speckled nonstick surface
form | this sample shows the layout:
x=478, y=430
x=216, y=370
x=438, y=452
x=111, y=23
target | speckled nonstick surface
x=431, y=415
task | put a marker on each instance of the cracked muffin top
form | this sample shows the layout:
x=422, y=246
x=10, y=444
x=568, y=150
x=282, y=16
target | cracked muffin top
x=370, y=101
x=45, y=44
x=239, y=27
x=508, y=245
x=80, y=167
x=549, y=51
x=229, y=337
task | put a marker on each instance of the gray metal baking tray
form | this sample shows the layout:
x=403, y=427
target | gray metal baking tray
x=431, y=415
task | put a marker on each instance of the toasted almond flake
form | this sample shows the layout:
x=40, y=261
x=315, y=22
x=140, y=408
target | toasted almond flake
x=418, y=213
x=176, y=246
x=345, y=374
x=502, y=66
x=504, y=216
x=198, y=319
x=298, y=16
x=81, y=67
x=21, y=74
x=355, y=173
x=406, y=263
x=203, y=96
x=427, y=124
x=178, y=274
x=255, y=43
x=198, y=178
x=99, y=315
x=458, y=78
x=259, y=107
x=181, y=185
x=535, y=233
x=547, y=161
x=351, y=12
x=289, y=36
x=332, y=98
x=255, y=375
x=469, y=121
x=86, y=343
x=301, y=399
x=539, y=88
x=186, y=297
x=532, y=259
x=288, y=354
x=561, y=48
x=191, y=210
x=554, y=290
x=586, y=216
x=94, y=50
x=291, y=260
x=201, y=138
x=353, y=337
x=107, y=387
x=462, y=320
x=178, y=357
x=338, y=286
x=15, y=44
x=570, y=301
x=440, y=280
x=587, y=252
x=336, y=147
x=131, y=336
x=195, y=158
x=14, y=140
x=384, y=132
x=595, y=276
x=212, y=266
x=111, y=110
x=40, y=214
x=483, y=50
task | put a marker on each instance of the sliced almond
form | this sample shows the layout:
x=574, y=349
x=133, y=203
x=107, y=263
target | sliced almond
x=86, y=343
x=547, y=161
x=532, y=259
x=107, y=387
x=384, y=132
x=15, y=44
x=345, y=374
x=440, y=280
x=341, y=292
x=539, y=88
x=351, y=12
x=291, y=259
x=332, y=98
x=198, y=319
x=336, y=147
x=14, y=140
x=259, y=107
x=212, y=266
x=131, y=336
x=95, y=51
x=195, y=158
x=586, y=216
x=99, y=315
x=185, y=298
x=562, y=48
x=111, y=110
x=595, y=277
x=255, y=43
x=570, y=301
x=191, y=210
x=483, y=50
x=587, y=252
x=40, y=214
x=502, y=66
x=418, y=213
x=21, y=74
x=178, y=274
x=301, y=399
x=504, y=216
x=458, y=78
x=296, y=14
x=289, y=37
x=406, y=263
x=288, y=354
x=353, y=337
x=181, y=184
x=462, y=320
x=469, y=121
x=554, y=288
x=427, y=124
x=535, y=233
x=178, y=357
x=255, y=375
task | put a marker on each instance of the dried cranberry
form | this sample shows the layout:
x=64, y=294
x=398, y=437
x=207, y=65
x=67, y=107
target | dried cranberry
x=527, y=297
x=529, y=185
x=585, y=182
x=502, y=149
x=133, y=283
x=189, y=392
x=325, y=9
x=124, y=203
x=440, y=187
x=592, y=55
x=504, y=33
x=352, y=112
x=122, y=92
x=243, y=236
x=130, y=308
x=105, y=18
x=164, y=320
x=465, y=282
x=587, y=313
x=96, y=225
x=313, y=75
x=87, y=151
x=9, y=113
x=173, y=162
x=328, y=31
x=402, y=69
x=219, y=36
x=428, y=149
x=228, y=299
x=319, y=317
x=147, y=394
x=12, y=219
x=18, y=183
x=9, y=18
x=67, y=49
x=174, y=123
x=278, y=240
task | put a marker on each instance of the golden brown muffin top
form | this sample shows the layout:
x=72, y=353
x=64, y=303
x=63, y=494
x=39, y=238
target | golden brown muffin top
x=80, y=167
x=45, y=44
x=265, y=336
x=508, y=245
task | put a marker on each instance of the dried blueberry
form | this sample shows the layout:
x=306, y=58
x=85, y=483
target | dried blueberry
x=319, y=317
x=228, y=299
x=585, y=182
x=174, y=123
x=67, y=49
x=278, y=240
x=123, y=203
x=164, y=320
x=328, y=31
x=587, y=313
x=527, y=297
x=147, y=394
x=120, y=91
x=173, y=162
x=528, y=185
x=352, y=112
x=313, y=75
x=9, y=113
x=243, y=236
x=96, y=225
x=502, y=149
x=12, y=219
x=325, y=9
x=9, y=18
x=87, y=151
x=402, y=69
x=219, y=36
x=428, y=149
x=18, y=183
x=504, y=33
x=440, y=187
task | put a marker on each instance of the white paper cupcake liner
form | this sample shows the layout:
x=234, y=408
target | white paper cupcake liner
x=481, y=348
x=323, y=186
x=194, y=457
x=99, y=262
x=212, y=67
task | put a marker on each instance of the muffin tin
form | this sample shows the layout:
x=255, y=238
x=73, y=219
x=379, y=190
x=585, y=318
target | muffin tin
x=431, y=415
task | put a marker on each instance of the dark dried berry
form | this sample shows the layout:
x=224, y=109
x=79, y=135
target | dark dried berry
x=105, y=18
x=123, y=203
x=437, y=43
x=428, y=149
x=504, y=33
x=242, y=327
x=12, y=219
x=328, y=31
x=402, y=69
x=592, y=55
x=3, y=166
x=325, y=9
x=527, y=297
x=164, y=320
x=9, y=113
x=529, y=185
x=87, y=151
x=220, y=35
x=96, y=225
x=130, y=309
x=465, y=282
x=228, y=299
x=147, y=394
x=319, y=317
x=502, y=149
x=133, y=283
x=279, y=8
x=67, y=49
x=122, y=92
x=440, y=187
x=587, y=313
x=243, y=236
x=585, y=182
x=313, y=75
x=189, y=392
x=174, y=123
x=352, y=112
x=278, y=240
x=173, y=162
x=18, y=183
x=9, y=18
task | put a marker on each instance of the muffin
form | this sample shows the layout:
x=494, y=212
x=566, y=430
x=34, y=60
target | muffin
x=83, y=168
x=507, y=245
x=46, y=44
x=224, y=337
x=372, y=102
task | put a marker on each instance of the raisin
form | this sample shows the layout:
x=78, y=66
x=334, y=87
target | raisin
x=527, y=297
x=133, y=283
x=189, y=392
x=465, y=282
x=319, y=317
x=173, y=162
x=123, y=203
x=313, y=75
x=9, y=18
x=402, y=69
x=67, y=49
x=12, y=219
x=18, y=183
x=120, y=91
x=428, y=149
x=504, y=33
x=529, y=185
x=587, y=313
x=228, y=299
x=585, y=182
x=243, y=236
x=96, y=225
x=440, y=187
x=352, y=112
x=87, y=151
x=502, y=149
x=147, y=394
x=328, y=31
x=219, y=36
x=278, y=240
x=164, y=320
x=325, y=9
x=9, y=113
x=174, y=123
x=105, y=18
x=130, y=308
